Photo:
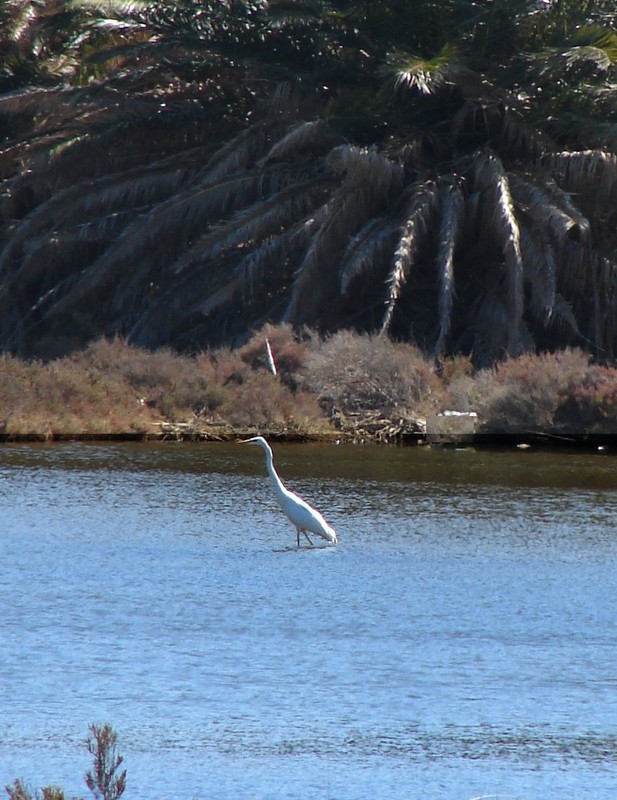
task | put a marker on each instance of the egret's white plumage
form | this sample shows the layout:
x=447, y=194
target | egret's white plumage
x=299, y=512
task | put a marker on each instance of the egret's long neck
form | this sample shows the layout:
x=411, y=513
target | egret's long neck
x=273, y=474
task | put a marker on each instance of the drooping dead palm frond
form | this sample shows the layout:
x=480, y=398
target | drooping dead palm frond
x=492, y=179
x=547, y=213
x=156, y=237
x=242, y=151
x=490, y=326
x=424, y=202
x=250, y=226
x=336, y=223
x=563, y=316
x=348, y=210
x=452, y=209
x=564, y=200
x=490, y=116
x=313, y=135
x=270, y=257
x=204, y=295
x=590, y=173
x=574, y=268
x=540, y=272
x=367, y=249
x=137, y=189
x=366, y=167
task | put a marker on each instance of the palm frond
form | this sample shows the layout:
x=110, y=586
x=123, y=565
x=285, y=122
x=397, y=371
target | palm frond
x=490, y=325
x=498, y=119
x=56, y=264
x=349, y=208
x=242, y=151
x=452, y=205
x=575, y=267
x=311, y=135
x=271, y=257
x=366, y=166
x=423, y=204
x=205, y=294
x=563, y=316
x=590, y=278
x=171, y=222
x=138, y=188
x=545, y=211
x=491, y=176
x=519, y=135
x=427, y=75
x=366, y=250
x=588, y=44
x=592, y=173
x=564, y=201
x=540, y=271
x=335, y=224
x=251, y=225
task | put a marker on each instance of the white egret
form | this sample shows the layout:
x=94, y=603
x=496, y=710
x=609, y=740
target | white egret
x=298, y=511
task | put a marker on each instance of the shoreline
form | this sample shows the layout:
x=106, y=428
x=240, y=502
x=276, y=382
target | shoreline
x=347, y=388
x=494, y=441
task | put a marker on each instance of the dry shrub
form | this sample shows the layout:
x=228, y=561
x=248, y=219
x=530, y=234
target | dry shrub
x=289, y=352
x=113, y=387
x=110, y=387
x=456, y=374
x=455, y=368
x=171, y=384
x=591, y=405
x=105, y=780
x=261, y=400
x=524, y=394
x=72, y=395
x=359, y=372
x=250, y=396
x=15, y=381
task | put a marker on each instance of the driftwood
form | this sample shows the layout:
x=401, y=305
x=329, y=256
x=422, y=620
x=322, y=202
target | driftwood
x=375, y=425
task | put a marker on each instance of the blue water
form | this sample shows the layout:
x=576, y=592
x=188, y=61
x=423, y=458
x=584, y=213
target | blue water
x=460, y=641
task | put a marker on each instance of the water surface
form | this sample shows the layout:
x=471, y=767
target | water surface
x=460, y=641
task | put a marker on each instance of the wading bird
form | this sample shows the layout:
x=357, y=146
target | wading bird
x=298, y=511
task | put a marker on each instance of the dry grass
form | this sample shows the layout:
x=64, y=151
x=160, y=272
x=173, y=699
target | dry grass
x=112, y=387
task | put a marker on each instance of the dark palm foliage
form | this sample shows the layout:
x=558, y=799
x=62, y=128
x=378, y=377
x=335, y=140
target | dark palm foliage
x=442, y=171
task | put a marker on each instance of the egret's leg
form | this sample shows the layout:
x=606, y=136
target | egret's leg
x=308, y=537
x=298, y=536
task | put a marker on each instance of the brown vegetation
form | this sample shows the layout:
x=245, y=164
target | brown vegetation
x=104, y=780
x=560, y=393
x=345, y=384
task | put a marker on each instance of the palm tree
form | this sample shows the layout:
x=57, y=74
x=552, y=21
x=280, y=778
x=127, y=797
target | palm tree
x=414, y=171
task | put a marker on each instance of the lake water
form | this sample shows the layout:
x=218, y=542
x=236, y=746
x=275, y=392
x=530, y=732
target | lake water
x=460, y=641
